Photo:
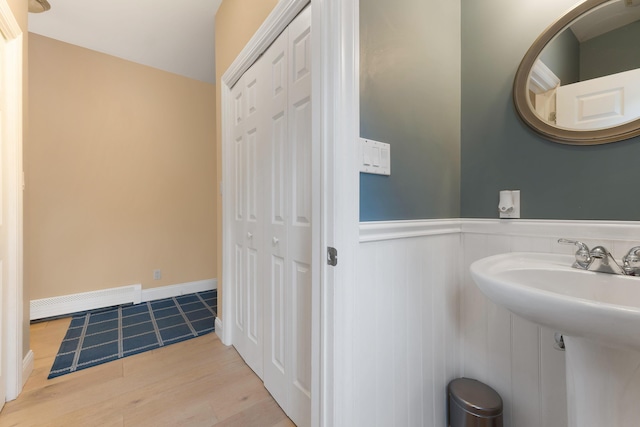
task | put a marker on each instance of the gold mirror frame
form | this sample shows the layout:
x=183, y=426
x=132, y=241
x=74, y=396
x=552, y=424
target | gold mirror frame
x=521, y=98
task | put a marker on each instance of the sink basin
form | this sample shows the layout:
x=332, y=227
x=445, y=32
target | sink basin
x=546, y=290
x=599, y=317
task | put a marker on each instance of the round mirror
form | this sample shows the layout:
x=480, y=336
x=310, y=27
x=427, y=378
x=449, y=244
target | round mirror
x=579, y=83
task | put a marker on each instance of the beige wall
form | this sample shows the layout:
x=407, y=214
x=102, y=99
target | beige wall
x=236, y=22
x=121, y=173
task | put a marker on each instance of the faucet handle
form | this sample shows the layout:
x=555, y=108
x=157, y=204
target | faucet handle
x=631, y=262
x=583, y=256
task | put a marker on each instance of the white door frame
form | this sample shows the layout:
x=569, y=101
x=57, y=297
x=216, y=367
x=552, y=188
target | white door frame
x=13, y=310
x=335, y=97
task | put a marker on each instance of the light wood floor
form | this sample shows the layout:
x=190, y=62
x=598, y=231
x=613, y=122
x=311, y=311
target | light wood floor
x=199, y=382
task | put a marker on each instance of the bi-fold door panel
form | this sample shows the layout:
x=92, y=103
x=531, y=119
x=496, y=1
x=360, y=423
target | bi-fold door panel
x=299, y=229
x=254, y=226
x=287, y=366
x=277, y=324
x=238, y=210
x=248, y=222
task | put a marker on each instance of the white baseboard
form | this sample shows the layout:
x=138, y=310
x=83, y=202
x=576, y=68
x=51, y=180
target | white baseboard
x=67, y=304
x=134, y=294
x=27, y=367
x=180, y=289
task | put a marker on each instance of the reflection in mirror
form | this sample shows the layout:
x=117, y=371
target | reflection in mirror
x=580, y=81
x=594, y=67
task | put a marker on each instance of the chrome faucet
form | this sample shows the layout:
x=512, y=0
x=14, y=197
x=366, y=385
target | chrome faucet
x=583, y=257
x=599, y=259
x=602, y=261
x=631, y=262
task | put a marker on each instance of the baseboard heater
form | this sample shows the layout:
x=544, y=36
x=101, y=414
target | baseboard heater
x=132, y=294
x=73, y=303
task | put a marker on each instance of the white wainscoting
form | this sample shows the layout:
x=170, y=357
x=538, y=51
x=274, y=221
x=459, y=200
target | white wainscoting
x=407, y=322
x=420, y=320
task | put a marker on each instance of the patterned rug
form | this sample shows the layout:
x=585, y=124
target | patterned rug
x=100, y=336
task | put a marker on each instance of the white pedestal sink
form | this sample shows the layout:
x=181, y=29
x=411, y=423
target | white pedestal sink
x=599, y=317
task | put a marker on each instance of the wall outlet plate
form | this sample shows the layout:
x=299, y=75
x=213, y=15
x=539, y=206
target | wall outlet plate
x=514, y=213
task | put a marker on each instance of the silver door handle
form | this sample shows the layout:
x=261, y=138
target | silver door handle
x=249, y=235
x=275, y=241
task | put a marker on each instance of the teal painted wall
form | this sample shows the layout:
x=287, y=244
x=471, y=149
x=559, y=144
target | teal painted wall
x=562, y=56
x=611, y=53
x=500, y=152
x=446, y=166
x=410, y=98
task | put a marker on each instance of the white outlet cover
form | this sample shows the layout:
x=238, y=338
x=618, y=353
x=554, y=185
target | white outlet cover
x=515, y=212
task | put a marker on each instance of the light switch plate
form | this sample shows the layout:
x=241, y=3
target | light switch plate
x=375, y=157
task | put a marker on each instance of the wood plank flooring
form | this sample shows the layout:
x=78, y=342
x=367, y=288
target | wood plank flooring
x=199, y=382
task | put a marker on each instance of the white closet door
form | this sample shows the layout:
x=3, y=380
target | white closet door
x=277, y=296
x=299, y=228
x=248, y=223
x=272, y=218
x=288, y=226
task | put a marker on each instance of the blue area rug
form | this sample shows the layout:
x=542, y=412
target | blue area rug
x=100, y=336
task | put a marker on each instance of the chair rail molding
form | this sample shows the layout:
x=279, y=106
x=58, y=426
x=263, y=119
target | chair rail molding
x=390, y=230
x=607, y=230
x=610, y=230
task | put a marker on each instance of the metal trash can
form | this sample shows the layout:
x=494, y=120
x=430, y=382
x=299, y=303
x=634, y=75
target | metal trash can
x=473, y=404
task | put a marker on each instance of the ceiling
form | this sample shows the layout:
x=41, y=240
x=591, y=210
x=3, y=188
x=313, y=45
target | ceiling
x=171, y=35
x=605, y=18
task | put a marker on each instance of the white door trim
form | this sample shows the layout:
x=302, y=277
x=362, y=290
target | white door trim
x=335, y=94
x=337, y=91
x=13, y=302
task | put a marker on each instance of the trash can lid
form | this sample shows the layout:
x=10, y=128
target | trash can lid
x=475, y=397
